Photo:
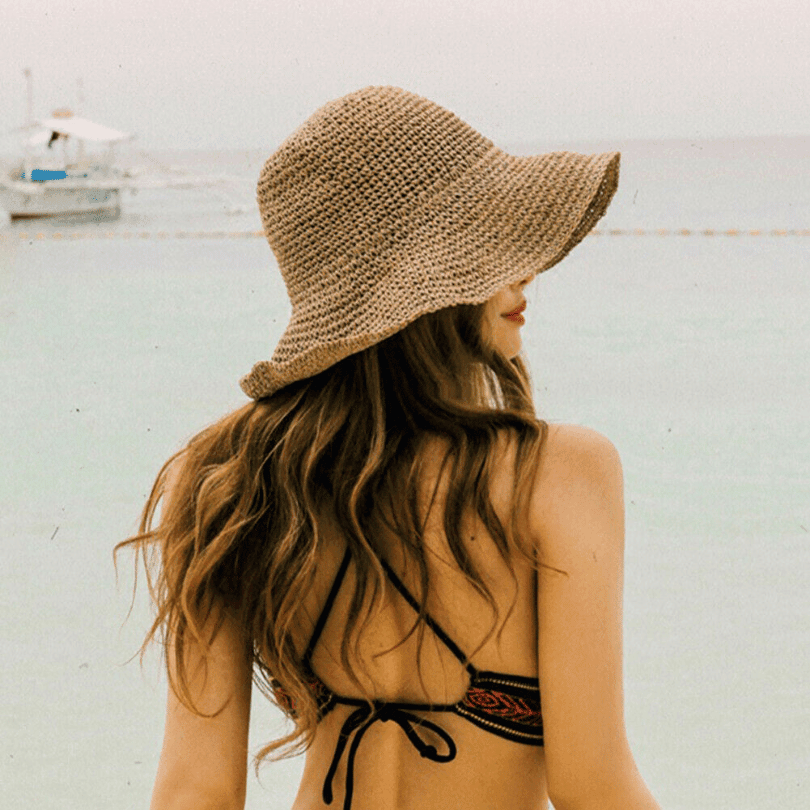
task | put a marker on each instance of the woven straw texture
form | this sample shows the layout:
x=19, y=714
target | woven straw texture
x=384, y=206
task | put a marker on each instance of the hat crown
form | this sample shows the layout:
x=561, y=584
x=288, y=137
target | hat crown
x=338, y=190
x=384, y=206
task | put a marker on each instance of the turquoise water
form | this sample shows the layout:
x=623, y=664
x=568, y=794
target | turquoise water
x=691, y=352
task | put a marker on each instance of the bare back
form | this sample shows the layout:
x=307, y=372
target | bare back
x=388, y=771
x=564, y=627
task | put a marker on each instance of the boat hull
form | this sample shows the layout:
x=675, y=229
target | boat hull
x=49, y=201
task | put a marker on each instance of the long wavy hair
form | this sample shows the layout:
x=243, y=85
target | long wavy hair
x=242, y=507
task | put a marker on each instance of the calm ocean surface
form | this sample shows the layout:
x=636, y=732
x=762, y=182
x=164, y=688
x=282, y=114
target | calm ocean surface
x=118, y=340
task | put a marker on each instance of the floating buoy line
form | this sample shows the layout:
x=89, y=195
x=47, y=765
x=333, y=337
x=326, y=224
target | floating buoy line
x=40, y=236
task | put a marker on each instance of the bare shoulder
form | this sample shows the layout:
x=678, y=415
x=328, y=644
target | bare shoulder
x=578, y=491
x=578, y=530
x=571, y=453
x=572, y=458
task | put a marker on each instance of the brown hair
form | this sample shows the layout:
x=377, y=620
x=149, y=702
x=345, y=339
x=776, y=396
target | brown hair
x=241, y=523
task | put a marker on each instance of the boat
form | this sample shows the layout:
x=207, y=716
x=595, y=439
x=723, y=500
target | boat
x=68, y=168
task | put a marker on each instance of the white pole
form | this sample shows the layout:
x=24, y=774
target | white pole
x=80, y=112
x=29, y=123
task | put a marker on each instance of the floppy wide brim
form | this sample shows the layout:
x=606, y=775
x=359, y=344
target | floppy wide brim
x=506, y=218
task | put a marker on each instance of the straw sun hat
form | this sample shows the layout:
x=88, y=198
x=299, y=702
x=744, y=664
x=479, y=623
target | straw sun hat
x=384, y=206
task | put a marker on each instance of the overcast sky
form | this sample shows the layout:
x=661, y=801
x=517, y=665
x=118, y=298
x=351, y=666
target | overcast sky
x=243, y=73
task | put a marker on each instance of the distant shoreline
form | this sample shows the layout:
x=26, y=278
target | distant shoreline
x=709, y=146
x=714, y=146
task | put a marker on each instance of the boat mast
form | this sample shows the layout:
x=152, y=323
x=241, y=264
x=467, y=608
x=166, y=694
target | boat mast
x=29, y=122
x=80, y=112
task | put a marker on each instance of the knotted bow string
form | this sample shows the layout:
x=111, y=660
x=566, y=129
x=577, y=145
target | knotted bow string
x=361, y=720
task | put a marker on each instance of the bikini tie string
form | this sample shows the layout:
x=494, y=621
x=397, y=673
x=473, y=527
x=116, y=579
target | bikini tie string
x=361, y=720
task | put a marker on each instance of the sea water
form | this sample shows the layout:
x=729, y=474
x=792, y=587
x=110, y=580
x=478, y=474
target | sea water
x=690, y=350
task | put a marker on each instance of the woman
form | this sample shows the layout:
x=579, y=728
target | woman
x=387, y=539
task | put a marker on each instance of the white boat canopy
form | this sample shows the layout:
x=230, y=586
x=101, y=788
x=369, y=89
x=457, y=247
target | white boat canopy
x=79, y=128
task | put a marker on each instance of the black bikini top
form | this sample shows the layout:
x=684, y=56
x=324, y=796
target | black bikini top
x=506, y=705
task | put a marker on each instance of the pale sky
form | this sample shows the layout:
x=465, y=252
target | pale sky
x=244, y=74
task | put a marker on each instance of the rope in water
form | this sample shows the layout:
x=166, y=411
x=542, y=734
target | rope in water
x=92, y=234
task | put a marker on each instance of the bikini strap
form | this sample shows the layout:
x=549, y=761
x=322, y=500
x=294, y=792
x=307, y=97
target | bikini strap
x=429, y=620
x=327, y=608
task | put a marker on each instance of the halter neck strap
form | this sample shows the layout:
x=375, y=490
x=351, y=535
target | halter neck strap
x=327, y=608
x=429, y=620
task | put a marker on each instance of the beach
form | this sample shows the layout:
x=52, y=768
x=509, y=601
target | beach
x=681, y=330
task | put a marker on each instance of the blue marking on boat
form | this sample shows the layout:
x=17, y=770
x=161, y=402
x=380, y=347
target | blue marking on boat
x=40, y=175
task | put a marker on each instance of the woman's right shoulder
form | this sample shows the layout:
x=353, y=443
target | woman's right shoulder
x=578, y=488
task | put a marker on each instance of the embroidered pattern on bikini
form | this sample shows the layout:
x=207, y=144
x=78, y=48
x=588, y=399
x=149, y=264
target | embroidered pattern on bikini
x=501, y=704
